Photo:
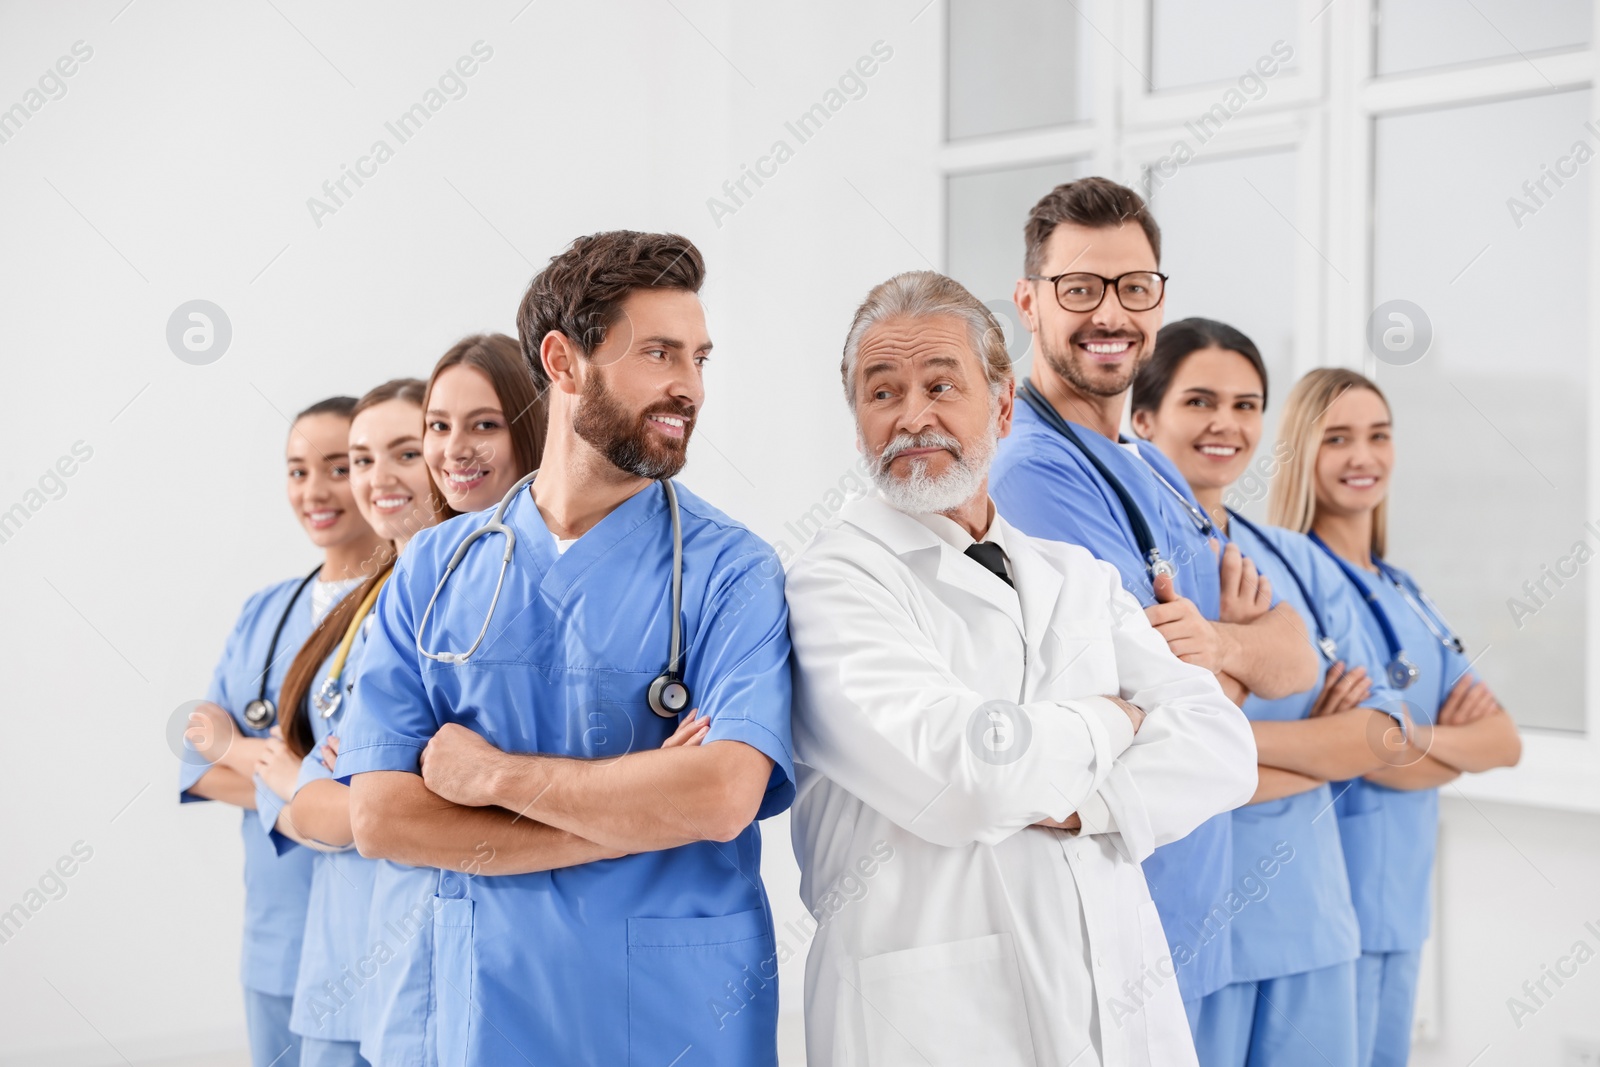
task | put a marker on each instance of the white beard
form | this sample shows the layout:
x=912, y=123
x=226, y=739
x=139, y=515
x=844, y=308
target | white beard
x=919, y=493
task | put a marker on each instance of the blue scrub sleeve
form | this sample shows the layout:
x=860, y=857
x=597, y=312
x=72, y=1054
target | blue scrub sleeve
x=739, y=665
x=1059, y=500
x=191, y=765
x=268, y=807
x=311, y=769
x=387, y=729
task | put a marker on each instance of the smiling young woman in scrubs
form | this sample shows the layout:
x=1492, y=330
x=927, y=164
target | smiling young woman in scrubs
x=482, y=428
x=485, y=422
x=391, y=489
x=1200, y=399
x=226, y=747
x=1338, y=436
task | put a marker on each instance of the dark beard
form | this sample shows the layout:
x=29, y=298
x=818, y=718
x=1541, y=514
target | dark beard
x=1077, y=376
x=624, y=439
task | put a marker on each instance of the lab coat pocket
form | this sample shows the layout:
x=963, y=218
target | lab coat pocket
x=452, y=979
x=732, y=956
x=959, y=1002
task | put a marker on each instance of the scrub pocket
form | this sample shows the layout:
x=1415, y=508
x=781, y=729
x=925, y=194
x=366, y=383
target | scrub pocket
x=452, y=980
x=959, y=1002
x=673, y=963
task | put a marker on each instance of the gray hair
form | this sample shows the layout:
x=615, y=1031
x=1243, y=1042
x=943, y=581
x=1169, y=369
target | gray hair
x=919, y=294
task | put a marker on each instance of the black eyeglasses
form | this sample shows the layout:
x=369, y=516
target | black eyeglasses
x=1138, y=290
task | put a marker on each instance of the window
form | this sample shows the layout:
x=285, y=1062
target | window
x=985, y=213
x=1417, y=150
x=1502, y=275
x=1228, y=244
x=1199, y=44
x=1001, y=80
x=1418, y=34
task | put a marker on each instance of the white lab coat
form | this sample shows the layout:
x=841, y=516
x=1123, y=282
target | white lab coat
x=951, y=930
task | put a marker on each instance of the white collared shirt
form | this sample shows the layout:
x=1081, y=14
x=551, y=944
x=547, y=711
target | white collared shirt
x=956, y=536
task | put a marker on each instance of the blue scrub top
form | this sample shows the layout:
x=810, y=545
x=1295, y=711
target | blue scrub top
x=276, y=888
x=1288, y=860
x=337, y=962
x=628, y=960
x=1046, y=488
x=1390, y=835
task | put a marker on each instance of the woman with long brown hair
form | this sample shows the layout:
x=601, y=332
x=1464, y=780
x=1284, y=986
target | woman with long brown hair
x=485, y=422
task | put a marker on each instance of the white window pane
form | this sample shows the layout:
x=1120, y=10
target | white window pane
x=1417, y=34
x=1015, y=65
x=1230, y=256
x=985, y=215
x=1197, y=44
x=1490, y=481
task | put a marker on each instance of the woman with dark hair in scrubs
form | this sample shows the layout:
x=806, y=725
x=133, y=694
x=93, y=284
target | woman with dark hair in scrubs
x=229, y=731
x=1338, y=436
x=1200, y=399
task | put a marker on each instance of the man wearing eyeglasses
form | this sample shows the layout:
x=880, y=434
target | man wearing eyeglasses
x=1092, y=299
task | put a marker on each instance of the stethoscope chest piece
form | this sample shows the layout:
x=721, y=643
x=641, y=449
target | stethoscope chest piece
x=328, y=698
x=1402, y=672
x=258, y=713
x=668, y=696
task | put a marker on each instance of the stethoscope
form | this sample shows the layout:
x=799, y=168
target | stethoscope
x=1402, y=672
x=329, y=696
x=261, y=711
x=1329, y=646
x=1154, y=565
x=1201, y=520
x=668, y=694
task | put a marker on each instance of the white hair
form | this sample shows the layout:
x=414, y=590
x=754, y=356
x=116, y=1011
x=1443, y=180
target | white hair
x=923, y=294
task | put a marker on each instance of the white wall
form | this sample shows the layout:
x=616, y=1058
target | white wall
x=1517, y=886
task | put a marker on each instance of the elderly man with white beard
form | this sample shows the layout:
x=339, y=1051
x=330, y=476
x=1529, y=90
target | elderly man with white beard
x=989, y=737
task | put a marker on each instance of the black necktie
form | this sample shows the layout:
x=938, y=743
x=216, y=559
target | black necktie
x=993, y=558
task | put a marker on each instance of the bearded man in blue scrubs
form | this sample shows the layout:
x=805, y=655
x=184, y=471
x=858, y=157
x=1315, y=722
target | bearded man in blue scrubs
x=599, y=895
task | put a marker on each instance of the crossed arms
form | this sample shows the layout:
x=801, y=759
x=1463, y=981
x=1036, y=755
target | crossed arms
x=489, y=812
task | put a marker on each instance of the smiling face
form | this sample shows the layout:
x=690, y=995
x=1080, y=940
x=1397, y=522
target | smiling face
x=925, y=412
x=1356, y=454
x=642, y=387
x=467, y=440
x=388, y=477
x=318, y=461
x=1097, y=352
x=1210, y=418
